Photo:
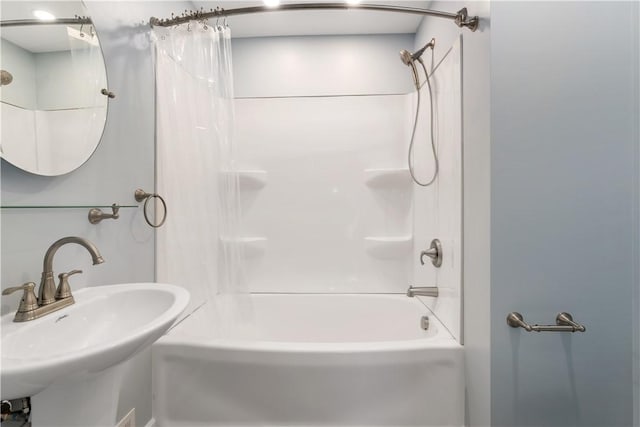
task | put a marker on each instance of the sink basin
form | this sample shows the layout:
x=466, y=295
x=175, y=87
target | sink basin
x=107, y=325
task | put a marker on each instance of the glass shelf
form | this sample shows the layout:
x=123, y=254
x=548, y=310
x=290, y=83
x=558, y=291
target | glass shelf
x=64, y=207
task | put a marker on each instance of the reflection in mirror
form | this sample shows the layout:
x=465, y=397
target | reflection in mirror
x=53, y=111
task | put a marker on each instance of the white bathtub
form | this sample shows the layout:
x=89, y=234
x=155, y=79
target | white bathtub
x=315, y=360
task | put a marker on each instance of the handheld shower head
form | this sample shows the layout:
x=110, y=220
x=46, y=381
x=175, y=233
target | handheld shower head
x=409, y=59
x=414, y=72
x=406, y=57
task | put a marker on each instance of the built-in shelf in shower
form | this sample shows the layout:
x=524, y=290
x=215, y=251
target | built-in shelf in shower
x=387, y=178
x=251, y=247
x=251, y=179
x=388, y=247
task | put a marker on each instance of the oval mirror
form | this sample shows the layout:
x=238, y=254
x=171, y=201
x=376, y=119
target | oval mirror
x=53, y=73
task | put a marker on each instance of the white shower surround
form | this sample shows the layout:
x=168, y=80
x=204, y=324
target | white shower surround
x=328, y=202
x=437, y=211
x=334, y=213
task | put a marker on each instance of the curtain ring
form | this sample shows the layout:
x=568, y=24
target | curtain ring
x=141, y=195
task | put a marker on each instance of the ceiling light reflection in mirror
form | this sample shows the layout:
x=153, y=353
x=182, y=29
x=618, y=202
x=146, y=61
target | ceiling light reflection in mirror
x=43, y=15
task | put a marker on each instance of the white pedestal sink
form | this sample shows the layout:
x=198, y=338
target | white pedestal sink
x=69, y=361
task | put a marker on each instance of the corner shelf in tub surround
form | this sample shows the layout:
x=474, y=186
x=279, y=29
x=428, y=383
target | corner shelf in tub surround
x=388, y=247
x=251, y=179
x=251, y=246
x=384, y=178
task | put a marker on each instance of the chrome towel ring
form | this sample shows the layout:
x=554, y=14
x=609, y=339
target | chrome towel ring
x=141, y=195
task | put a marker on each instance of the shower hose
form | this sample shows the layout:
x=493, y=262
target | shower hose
x=431, y=132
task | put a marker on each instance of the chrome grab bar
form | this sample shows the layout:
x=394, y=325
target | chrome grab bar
x=434, y=252
x=564, y=323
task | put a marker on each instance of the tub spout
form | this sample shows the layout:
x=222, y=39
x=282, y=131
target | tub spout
x=424, y=291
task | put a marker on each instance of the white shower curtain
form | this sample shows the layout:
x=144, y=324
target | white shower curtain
x=195, y=167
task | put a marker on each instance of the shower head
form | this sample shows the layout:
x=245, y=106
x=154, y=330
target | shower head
x=406, y=57
x=409, y=59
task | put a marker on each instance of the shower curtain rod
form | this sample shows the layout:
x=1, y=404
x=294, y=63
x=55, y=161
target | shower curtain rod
x=61, y=21
x=460, y=18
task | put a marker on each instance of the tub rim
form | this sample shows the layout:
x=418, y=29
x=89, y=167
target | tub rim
x=179, y=335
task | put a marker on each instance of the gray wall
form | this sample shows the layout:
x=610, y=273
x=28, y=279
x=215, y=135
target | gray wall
x=70, y=79
x=564, y=149
x=123, y=162
x=22, y=66
x=555, y=124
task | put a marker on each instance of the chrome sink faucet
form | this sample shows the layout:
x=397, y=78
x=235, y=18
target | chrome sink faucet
x=47, y=291
x=50, y=299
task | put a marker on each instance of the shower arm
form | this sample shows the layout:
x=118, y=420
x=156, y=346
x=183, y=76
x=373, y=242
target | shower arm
x=460, y=18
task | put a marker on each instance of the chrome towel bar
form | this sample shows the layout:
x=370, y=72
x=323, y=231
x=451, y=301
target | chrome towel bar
x=564, y=323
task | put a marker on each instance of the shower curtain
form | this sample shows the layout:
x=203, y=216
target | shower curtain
x=196, y=173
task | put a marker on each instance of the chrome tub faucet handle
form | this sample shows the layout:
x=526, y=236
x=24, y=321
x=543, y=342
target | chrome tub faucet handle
x=434, y=252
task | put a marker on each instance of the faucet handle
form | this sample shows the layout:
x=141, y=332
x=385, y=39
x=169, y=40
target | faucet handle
x=64, y=290
x=29, y=301
x=434, y=252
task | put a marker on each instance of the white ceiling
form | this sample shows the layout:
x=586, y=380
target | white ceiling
x=318, y=22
